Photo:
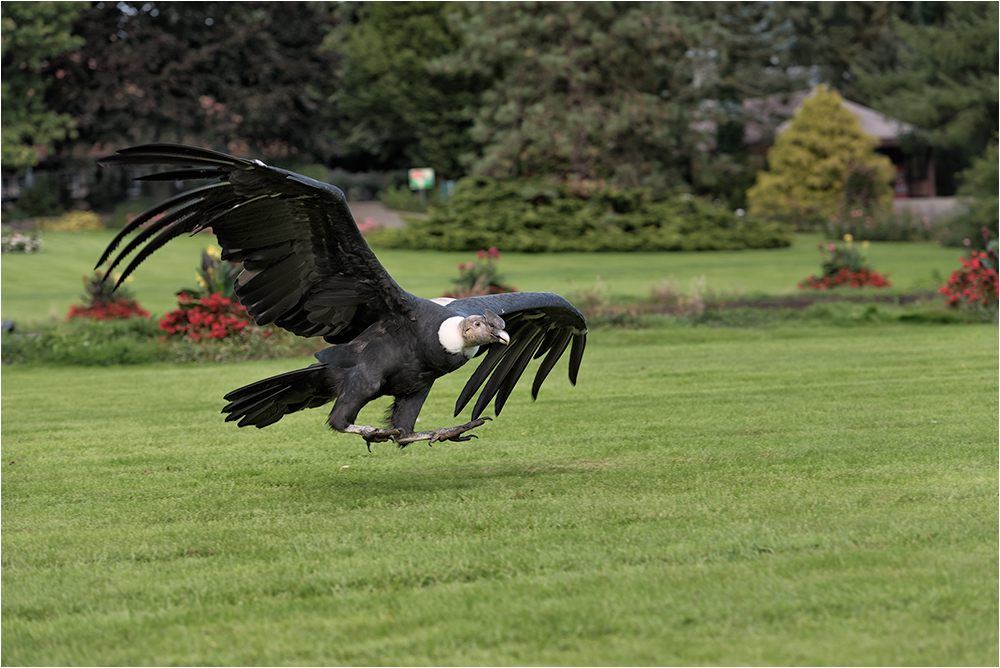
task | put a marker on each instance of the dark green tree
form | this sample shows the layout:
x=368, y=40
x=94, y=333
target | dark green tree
x=34, y=33
x=584, y=90
x=392, y=111
x=245, y=77
x=831, y=42
x=946, y=81
x=744, y=54
x=978, y=189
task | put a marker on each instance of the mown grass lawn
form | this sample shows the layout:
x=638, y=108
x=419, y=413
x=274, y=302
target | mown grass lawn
x=38, y=288
x=786, y=495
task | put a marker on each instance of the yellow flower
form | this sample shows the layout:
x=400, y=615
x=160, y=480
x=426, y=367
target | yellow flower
x=201, y=282
x=212, y=251
x=864, y=244
x=848, y=238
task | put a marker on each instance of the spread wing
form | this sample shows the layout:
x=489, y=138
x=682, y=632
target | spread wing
x=306, y=267
x=539, y=323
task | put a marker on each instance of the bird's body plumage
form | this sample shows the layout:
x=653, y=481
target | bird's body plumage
x=307, y=269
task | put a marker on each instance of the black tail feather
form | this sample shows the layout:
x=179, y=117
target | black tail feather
x=267, y=401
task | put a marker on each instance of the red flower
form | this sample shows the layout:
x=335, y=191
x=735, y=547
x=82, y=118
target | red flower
x=211, y=317
x=845, y=276
x=974, y=285
x=120, y=309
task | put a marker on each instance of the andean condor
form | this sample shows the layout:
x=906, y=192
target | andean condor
x=307, y=269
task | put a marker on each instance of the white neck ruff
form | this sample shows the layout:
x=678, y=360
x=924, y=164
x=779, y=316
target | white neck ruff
x=450, y=336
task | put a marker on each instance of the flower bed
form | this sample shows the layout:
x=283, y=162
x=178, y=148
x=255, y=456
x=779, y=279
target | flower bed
x=845, y=276
x=845, y=267
x=104, y=303
x=119, y=309
x=18, y=242
x=974, y=286
x=211, y=317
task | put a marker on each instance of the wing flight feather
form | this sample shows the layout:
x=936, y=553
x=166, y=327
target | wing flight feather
x=306, y=266
x=540, y=324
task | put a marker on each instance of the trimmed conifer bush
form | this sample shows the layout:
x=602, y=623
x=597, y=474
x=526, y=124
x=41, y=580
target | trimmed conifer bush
x=821, y=165
x=542, y=216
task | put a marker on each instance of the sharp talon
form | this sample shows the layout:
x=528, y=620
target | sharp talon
x=372, y=435
x=441, y=435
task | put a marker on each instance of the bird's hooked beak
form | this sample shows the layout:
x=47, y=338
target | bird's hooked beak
x=496, y=323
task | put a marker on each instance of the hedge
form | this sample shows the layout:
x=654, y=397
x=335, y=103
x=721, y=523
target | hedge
x=539, y=216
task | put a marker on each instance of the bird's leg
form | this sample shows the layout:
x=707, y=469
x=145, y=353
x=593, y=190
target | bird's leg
x=446, y=434
x=371, y=434
x=345, y=412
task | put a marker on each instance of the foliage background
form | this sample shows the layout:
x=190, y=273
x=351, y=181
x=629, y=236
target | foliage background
x=636, y=93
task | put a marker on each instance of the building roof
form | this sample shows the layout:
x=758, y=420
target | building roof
x=887, y=130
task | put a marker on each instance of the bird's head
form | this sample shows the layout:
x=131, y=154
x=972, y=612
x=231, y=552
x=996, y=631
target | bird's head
x=482, y=330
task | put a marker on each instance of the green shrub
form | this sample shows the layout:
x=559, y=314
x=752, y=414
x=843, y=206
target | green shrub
x=279, y=345
x=879, y=225
x=41, y=199
x=845, y=266
x=84, y=342
x=103, y=302
x=543, y=216
x=979, y=184
x=401, y=198
x=480, y=278
x=88, y=343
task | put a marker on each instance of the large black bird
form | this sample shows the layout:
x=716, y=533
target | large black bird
x=307, y=269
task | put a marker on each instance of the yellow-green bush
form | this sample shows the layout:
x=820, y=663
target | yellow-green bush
x=813, y=163
x=71, y=221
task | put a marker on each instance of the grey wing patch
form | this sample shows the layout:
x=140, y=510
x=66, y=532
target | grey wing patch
x=541, y=325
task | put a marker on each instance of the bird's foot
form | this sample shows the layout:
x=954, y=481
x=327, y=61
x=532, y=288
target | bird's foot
x=372, y=434
x=446, y=434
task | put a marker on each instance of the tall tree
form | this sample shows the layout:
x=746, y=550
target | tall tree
x=246, y=77
x=33, y=34
x=744, y=54
x=830, y=42
x=583, y=90
x=946, y=81
x=392, y=111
